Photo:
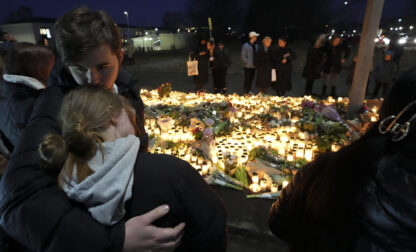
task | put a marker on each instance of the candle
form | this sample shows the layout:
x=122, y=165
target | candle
x=284, y=184
x=204, y=169
x=308, y=154
x=255, y=188
x=263, y=183
x=274, y=188
x=255, y=178
x=373, y=118
x=334, y=148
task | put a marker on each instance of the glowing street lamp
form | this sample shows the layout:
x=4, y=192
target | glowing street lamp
x=128, y=23
x=346, y=3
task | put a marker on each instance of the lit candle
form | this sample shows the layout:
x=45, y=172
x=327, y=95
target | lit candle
x=263, y=183
x=289, y=157
x=299, y=153
x=255, y=178
x=204, y=169
x=334, y=148
x=273, y=188
x=373, y=118
x=284, y=184
x=255, y=188
x=308, y=154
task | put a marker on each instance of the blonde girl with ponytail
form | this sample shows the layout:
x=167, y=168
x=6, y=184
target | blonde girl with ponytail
x=99, y=140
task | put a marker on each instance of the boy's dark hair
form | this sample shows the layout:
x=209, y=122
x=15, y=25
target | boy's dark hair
x=81, y=30
x=30, y=60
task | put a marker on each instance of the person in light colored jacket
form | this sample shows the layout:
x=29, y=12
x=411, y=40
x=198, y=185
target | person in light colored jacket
x=247, y=56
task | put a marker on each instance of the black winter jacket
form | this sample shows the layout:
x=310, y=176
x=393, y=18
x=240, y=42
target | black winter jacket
x=313, y=66
x=33, y=210
x=283, y=71
x=162, y=179
x=16, y=104
x=333, y=57
x=385, y=219
x=127, y=86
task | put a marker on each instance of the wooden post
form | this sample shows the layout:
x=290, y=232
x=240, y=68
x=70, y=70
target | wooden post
x=365, y=54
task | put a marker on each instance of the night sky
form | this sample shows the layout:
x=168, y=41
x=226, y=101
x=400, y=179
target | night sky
x=150, y=12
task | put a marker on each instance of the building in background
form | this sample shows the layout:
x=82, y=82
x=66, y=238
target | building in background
x=31, y=29
x=143, y=39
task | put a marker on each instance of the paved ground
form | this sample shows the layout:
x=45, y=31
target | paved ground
x=181, y=82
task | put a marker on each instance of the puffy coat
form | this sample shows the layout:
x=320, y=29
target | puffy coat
x=16, y=104
x=386, y=213
x=33, y=210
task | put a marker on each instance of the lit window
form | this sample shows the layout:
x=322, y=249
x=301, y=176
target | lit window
x=45, y=31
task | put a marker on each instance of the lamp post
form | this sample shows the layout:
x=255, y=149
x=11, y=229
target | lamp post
x=128, y=23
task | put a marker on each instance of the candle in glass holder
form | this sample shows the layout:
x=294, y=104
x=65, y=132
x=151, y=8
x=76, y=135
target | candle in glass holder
x=204, y=169
x=308, y=154
x=289, y=157
x=255, y=178
x=274, y=188
x=299, y=153
x=263, y=183
x=334, y=148
x=255, y=188
x=284, y=184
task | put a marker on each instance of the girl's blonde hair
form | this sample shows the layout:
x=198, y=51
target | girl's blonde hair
x=85, y=113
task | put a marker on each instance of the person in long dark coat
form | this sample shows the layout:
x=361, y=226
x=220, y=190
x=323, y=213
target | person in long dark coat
x=313, y=66
x=227, y=62
x=201, y=54
x=217, y=64
x=263, y=63
x=361, y=198
x=336, y=53
x=282, y=62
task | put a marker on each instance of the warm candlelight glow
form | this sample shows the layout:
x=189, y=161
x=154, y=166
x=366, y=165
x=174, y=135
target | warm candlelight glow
x=255, y=188
x=284, y=184
x=263, y=184
x=255, y=178
x=274, y=188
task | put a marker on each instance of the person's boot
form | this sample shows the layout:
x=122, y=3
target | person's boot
x=323, y=94
x=333, y=93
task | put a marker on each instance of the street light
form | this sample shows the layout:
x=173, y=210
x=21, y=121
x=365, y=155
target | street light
x=346, y=3
x=156, y=29
x=128, y=23
x=400, y=20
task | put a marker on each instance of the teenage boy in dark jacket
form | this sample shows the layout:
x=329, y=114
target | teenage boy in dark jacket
x=32, y=209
